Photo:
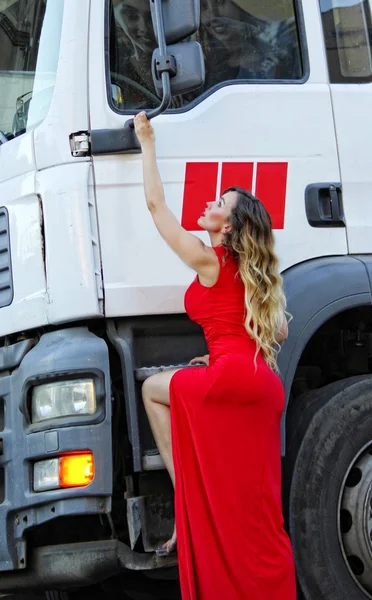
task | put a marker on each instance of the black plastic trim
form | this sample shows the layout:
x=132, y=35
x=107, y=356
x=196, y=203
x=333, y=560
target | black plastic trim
x=113, y=141
x=123, y=346
x=12, y=356
x=78, y=565
x=300, y=22
x=316, y=291
x=366, y=260
x=8, y=266
x=22, y=508
x=324, y=206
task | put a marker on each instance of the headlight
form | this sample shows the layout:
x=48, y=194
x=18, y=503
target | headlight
x=63, y=399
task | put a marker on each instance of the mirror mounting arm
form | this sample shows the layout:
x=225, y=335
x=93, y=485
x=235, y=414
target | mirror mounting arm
x=128, y=133
x=163, y=70
x=165, y=75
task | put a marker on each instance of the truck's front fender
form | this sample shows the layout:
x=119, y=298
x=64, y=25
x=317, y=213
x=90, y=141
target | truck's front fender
x=317, y=290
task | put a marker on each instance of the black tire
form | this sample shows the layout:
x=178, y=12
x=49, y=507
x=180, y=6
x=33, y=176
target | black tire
x=335, y=426
x=299, y=416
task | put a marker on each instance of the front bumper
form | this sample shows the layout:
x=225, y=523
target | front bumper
x=63, y=353
x=79, y=565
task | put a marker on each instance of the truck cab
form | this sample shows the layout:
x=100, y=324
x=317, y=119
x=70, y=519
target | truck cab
x=91, y=298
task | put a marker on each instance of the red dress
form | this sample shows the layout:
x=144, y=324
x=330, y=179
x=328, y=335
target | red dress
x=226, y=450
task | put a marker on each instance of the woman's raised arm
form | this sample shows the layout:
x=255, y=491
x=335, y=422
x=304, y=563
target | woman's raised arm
x=189, y=248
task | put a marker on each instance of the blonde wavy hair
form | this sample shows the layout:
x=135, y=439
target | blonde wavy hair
x=252, y=242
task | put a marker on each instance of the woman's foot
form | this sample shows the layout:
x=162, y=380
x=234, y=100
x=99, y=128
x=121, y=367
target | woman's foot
x=169, y=547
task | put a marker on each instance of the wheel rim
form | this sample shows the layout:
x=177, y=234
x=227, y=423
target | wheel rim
x=355, y=519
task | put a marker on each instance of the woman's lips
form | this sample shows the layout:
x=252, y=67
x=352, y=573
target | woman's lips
x=219, y=25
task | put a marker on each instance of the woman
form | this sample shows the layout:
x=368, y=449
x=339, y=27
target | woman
x=226, y=415
x=136, y=43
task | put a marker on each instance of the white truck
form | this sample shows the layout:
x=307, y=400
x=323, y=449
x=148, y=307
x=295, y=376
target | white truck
x=272, y=95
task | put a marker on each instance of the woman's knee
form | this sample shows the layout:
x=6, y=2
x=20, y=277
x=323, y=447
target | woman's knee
x=156, y=388
x=147, y=390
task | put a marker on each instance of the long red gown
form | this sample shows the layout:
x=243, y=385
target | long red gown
x=226, y=449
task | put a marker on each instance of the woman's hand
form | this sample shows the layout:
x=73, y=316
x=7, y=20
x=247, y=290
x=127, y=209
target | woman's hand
x=282, y=333
x=200, y=359
x=144, y=130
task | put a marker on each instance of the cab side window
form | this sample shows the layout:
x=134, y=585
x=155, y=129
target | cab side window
x=242, y=40
x=348, y=38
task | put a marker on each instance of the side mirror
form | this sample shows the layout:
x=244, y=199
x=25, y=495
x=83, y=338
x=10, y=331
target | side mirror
x=178, y=68
x=181, y=18
x=188, y=69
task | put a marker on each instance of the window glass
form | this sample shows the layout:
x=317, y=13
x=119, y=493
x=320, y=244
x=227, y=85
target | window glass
x=241, y=40
x=348, y=37
x=30, y=32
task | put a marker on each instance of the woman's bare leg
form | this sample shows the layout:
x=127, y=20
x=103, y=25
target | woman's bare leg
x=156, y=398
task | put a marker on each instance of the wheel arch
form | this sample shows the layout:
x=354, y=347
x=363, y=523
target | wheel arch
x=316, y=291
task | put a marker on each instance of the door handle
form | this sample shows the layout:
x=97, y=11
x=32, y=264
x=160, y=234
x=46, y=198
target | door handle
x=324, y=207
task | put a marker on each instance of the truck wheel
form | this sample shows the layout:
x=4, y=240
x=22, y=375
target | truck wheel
x=330, y=498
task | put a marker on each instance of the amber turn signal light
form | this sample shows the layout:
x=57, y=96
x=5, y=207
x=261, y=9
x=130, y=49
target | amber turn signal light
x=76, y=470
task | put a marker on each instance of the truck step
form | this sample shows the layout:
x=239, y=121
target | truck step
x=145, y=372
x=152, y=461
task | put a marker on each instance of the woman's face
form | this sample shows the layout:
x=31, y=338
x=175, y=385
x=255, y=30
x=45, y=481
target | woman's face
x=136, y=16
x=215, y=218
x=221, y=18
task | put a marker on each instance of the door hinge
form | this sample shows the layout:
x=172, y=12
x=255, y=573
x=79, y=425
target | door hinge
x=80, y=144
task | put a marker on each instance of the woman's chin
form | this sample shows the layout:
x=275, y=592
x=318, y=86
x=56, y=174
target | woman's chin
x=201, y=222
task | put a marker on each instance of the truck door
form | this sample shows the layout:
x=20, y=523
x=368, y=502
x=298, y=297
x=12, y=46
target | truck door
x=263, y=120
x=348, y=37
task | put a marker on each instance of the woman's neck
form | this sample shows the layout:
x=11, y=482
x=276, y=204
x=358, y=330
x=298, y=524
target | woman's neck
x=216, y=239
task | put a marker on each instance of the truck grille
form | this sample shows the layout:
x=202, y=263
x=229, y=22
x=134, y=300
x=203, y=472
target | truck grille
x=6, y=282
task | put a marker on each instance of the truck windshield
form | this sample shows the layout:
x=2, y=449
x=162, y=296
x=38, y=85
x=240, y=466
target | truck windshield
x=30, y=33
